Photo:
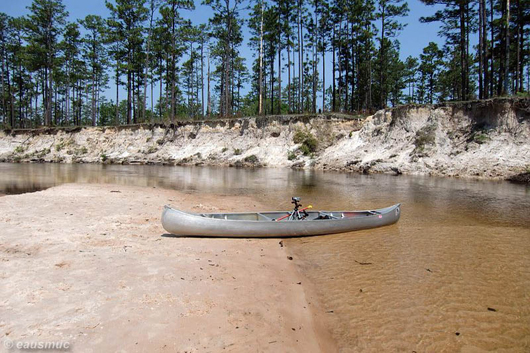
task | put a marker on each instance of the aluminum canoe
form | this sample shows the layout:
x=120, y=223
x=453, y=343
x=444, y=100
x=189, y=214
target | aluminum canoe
x=263, y=224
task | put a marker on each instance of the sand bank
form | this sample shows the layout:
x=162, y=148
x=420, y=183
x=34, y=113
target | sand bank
x=91, y=265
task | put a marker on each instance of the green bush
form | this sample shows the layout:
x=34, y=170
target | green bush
x=237, y=151
x=103, y=157
x=251, y=159
x=19, y=149
x=425, y=136
x=151, y=149
x=42, y=153
x=309, y=143
x=291, y=155
x=480, y=138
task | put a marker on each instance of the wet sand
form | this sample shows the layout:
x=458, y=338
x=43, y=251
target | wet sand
x=91, y=265
x=429, y=285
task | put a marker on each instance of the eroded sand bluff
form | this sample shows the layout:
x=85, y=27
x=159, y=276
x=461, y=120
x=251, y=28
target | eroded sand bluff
x=483, y=139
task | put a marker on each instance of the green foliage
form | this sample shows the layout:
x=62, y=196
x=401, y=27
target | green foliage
x=237, y=151
x=251, y=159
x=42, y=153
x=308, y=142
x=151, y=149
x=291, y=155
x=103, y=157
x=19, y=149
x=142, y=43
x=429, y=71
x=224, y=149
x=425, y=136
x=480, y=138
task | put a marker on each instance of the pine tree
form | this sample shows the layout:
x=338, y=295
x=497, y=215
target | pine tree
x=388, y=11
x=96, y=53
x=457, y=36
x=44, y=25
x=226, y=29
x=429, y=68
x=126, y=33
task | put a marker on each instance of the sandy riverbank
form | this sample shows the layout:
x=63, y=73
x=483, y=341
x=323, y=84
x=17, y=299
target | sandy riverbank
x=90, y=265
x=480, y=139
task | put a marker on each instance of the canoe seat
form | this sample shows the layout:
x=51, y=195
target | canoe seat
x=262, y=217
x=322, y=215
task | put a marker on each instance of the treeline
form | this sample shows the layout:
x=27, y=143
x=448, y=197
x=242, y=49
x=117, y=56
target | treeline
x=334, y=55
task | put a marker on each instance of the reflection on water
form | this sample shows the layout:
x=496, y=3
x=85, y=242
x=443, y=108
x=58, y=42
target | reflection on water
x=452, y=275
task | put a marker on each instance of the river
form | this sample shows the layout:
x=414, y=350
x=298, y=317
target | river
x=452, y=275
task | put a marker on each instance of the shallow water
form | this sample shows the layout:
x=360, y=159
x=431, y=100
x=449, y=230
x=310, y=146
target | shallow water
x=452, y=275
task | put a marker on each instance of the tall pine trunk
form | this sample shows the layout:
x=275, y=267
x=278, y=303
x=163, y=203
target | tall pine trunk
x=260, y=106
x=300, y=59
x=485, y=90
x=506, y=85
x=279, y=74
x=333, y=68
x=209, y=112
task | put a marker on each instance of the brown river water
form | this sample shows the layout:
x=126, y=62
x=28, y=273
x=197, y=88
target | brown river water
x=453, y=275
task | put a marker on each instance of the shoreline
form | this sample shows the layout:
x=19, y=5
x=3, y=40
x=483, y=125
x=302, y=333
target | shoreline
x=90, y=264
x=523, y=177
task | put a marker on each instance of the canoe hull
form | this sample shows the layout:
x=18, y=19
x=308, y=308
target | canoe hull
x=188, y=224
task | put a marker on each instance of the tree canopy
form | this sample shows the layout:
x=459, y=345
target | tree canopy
x=307, y=55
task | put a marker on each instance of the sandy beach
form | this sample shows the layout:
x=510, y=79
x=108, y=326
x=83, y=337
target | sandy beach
x=91, y=265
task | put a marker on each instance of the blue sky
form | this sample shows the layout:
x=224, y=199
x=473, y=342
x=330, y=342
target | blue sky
x=413, y=38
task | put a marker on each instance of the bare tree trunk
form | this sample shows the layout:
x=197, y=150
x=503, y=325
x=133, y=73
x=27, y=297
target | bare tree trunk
x=315, y=57
x=340, y=66
x=160, y=95
x=492, y=71
x=93, y=112
x=300, y=59
x=323, y=74
x=260, y=107
x=4, y=101
x=382, y=55
x=279, y=75
x=480, y=53
x=520, y=51
x=49, y=100
x=289, y=95
x=485, y=90
x=333, y=68
x=129, y=97
x=506, y=89
x=147, y=69
x=347, y=68
x=272, y=85
x=202, y=78
x=209, y=97
x=67, y=103
x=117, y=118
x=462, y=45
